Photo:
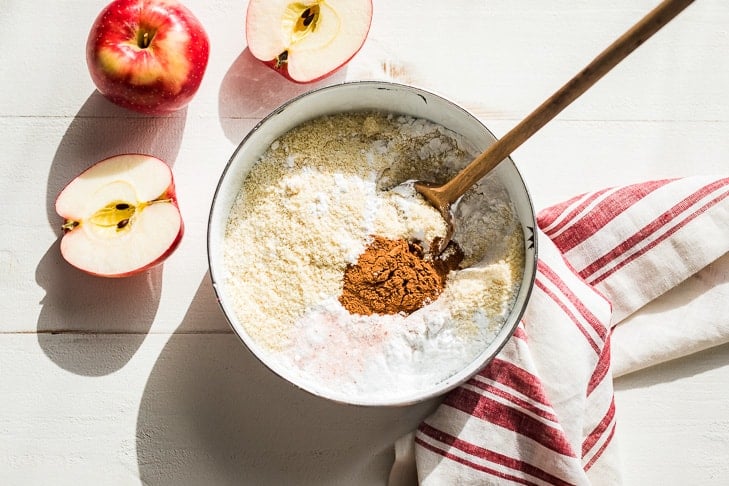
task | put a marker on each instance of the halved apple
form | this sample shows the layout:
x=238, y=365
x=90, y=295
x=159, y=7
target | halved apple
x=120, y=216
x=307, y=40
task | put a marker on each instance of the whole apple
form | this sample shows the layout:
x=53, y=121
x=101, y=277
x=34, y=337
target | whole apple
x=147, y=55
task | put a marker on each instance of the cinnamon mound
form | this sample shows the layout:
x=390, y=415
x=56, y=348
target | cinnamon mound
x=394, y=277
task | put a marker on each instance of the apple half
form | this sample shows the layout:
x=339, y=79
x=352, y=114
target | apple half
x=307, y=40
x=120, y=216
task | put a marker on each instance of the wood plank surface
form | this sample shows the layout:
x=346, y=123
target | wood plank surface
x=141, y=381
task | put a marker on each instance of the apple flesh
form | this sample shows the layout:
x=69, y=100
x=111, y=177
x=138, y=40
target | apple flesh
x=148, y=56
x=120, y=216
x=307, y=40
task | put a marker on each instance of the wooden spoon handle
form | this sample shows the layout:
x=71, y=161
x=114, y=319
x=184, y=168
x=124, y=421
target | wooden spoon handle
x=604, y=62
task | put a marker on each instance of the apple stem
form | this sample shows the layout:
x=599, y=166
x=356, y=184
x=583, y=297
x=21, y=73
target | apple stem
x=281, y=59
x=166, y=200
x=144, y=39
x=69, y=225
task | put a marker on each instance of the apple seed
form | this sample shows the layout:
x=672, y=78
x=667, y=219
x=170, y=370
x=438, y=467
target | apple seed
x=306, y=22
x=308, y=16
x=114, y=214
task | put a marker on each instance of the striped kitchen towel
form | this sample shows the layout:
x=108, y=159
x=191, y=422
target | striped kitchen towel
x=542, y=412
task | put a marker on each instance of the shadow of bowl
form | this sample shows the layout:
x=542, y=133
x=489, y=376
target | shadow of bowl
x=211, y=413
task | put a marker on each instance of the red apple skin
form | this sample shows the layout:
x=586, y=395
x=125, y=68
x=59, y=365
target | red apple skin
x=157, y=79
x=169, y=193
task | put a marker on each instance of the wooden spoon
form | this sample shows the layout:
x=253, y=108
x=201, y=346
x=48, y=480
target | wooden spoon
x=445, y=195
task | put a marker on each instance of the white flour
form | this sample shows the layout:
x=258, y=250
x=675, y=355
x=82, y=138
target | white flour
x=309, y=208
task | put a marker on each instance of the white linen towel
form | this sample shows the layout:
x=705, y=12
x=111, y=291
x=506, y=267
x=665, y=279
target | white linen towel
x=542, y=412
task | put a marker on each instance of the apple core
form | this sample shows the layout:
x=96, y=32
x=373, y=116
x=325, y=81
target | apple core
x=306, y=20
x=114, y=215
x=300, y=20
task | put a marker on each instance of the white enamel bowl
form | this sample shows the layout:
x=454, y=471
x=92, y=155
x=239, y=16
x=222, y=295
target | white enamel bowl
x=364, y=96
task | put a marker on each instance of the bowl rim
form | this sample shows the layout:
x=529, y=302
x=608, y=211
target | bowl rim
x=512, y=319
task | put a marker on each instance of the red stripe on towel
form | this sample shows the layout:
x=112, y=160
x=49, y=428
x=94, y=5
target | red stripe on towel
x=598, y=326
x=486, y=455
x=602, y=449
x=568, y=313
x=601, y=368
x=599, y=430
x=472, y=465
x=520, y=333
x=605, y=211
x=490, y=410
x=547, y=217
x=516, y=378
x=668, y=217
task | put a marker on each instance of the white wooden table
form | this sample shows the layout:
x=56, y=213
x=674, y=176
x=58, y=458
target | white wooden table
x=140, y=381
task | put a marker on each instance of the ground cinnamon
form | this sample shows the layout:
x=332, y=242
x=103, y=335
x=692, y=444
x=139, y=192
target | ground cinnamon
x=392, y=276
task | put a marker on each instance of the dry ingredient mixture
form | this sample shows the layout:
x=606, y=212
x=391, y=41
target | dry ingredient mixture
x=329, y=264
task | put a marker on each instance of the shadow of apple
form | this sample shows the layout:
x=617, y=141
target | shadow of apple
x=79, y=303
x=100, y=130
x=252, y=90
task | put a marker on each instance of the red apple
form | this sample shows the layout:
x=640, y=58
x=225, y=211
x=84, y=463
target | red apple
x=309, y=40
x=120, y=216
x=147, y=55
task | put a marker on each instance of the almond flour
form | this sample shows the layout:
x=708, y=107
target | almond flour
x=309, y=208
